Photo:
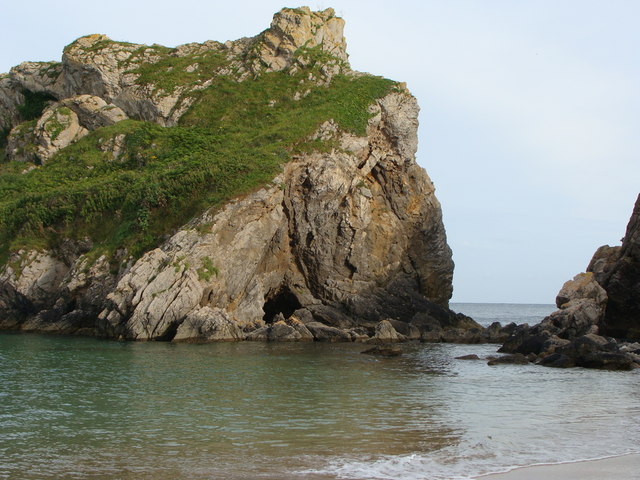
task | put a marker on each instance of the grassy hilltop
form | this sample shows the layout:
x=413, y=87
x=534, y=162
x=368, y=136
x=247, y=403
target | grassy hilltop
x=233, y=139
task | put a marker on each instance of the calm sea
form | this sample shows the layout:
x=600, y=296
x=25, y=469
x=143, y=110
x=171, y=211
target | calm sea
x=79, y=408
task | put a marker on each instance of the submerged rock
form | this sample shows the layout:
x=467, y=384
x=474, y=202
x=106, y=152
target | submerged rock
x=383, y=351
x=513, y=359
x=471, y=356
x=558, y=360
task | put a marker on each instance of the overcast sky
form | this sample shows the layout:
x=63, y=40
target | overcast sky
x=530, y=120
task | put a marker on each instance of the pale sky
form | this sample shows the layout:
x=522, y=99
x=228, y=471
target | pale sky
x=530, y=120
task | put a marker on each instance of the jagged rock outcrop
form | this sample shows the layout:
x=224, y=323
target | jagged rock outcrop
x=58, y=127
x=93, y=112
x=297, y=28
x=599, y=312
x=119, y=73
x=10, y=99
x=279, y=250
x=618, y=271
x=346, y=244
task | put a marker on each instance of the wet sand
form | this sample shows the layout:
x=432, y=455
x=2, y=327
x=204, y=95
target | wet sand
x=625, y=467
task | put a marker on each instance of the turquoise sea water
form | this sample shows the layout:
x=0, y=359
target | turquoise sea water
x=78, y=408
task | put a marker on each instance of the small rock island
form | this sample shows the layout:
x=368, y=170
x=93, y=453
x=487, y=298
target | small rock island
x=255, y=189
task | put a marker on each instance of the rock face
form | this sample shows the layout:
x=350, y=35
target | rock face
x=618, y=271
x=297, y=28
x=344, y=245
x=380, y=253
x=599, y=312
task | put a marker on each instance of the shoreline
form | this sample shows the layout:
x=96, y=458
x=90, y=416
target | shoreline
x=618, y=466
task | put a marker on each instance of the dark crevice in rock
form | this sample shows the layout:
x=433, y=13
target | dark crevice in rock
x=352, y=268
x=169, y=333
x=283, y=301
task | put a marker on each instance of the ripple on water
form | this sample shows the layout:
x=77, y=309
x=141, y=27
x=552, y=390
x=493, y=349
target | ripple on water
x=82, y=408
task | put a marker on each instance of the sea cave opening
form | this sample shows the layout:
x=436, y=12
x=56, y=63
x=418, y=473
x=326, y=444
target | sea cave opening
x=282, y=301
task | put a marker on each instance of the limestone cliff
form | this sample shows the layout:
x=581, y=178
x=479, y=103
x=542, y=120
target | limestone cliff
x=345, y=233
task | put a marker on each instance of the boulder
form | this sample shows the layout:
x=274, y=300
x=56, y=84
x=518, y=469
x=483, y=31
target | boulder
x=472, y=356
x=552, y=343
x=57, y=128
x=408, y=330
x=512, y=359
x=582, y=286
x=359, y=334
x=589, y=351
x=557, y=360
x=260, y=334
x=324, y=333
x=330, y=316
x=519, y=340
x=289, y=330
x=93, y=112
x=209, y=325
x=385, y=333
x=53, y=321
x=607, y=361
x=630, y=348
x=577, y=317
x=32, y=280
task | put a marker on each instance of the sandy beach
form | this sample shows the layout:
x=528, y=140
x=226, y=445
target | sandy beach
x=623, y=467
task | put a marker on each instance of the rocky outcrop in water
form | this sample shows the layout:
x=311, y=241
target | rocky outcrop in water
x=346, y=244
x=598, y=321
x=618, y=271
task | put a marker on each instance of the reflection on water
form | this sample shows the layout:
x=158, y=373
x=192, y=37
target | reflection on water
x=78, y=408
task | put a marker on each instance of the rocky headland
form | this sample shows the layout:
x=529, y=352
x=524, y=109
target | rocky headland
x=598, y=321
x=256, y=189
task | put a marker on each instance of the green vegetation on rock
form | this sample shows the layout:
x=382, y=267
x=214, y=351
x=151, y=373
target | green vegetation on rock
x=172, y=71
x=54, y=126
x=207, y=270
x=233, y=140
x=4, y=135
